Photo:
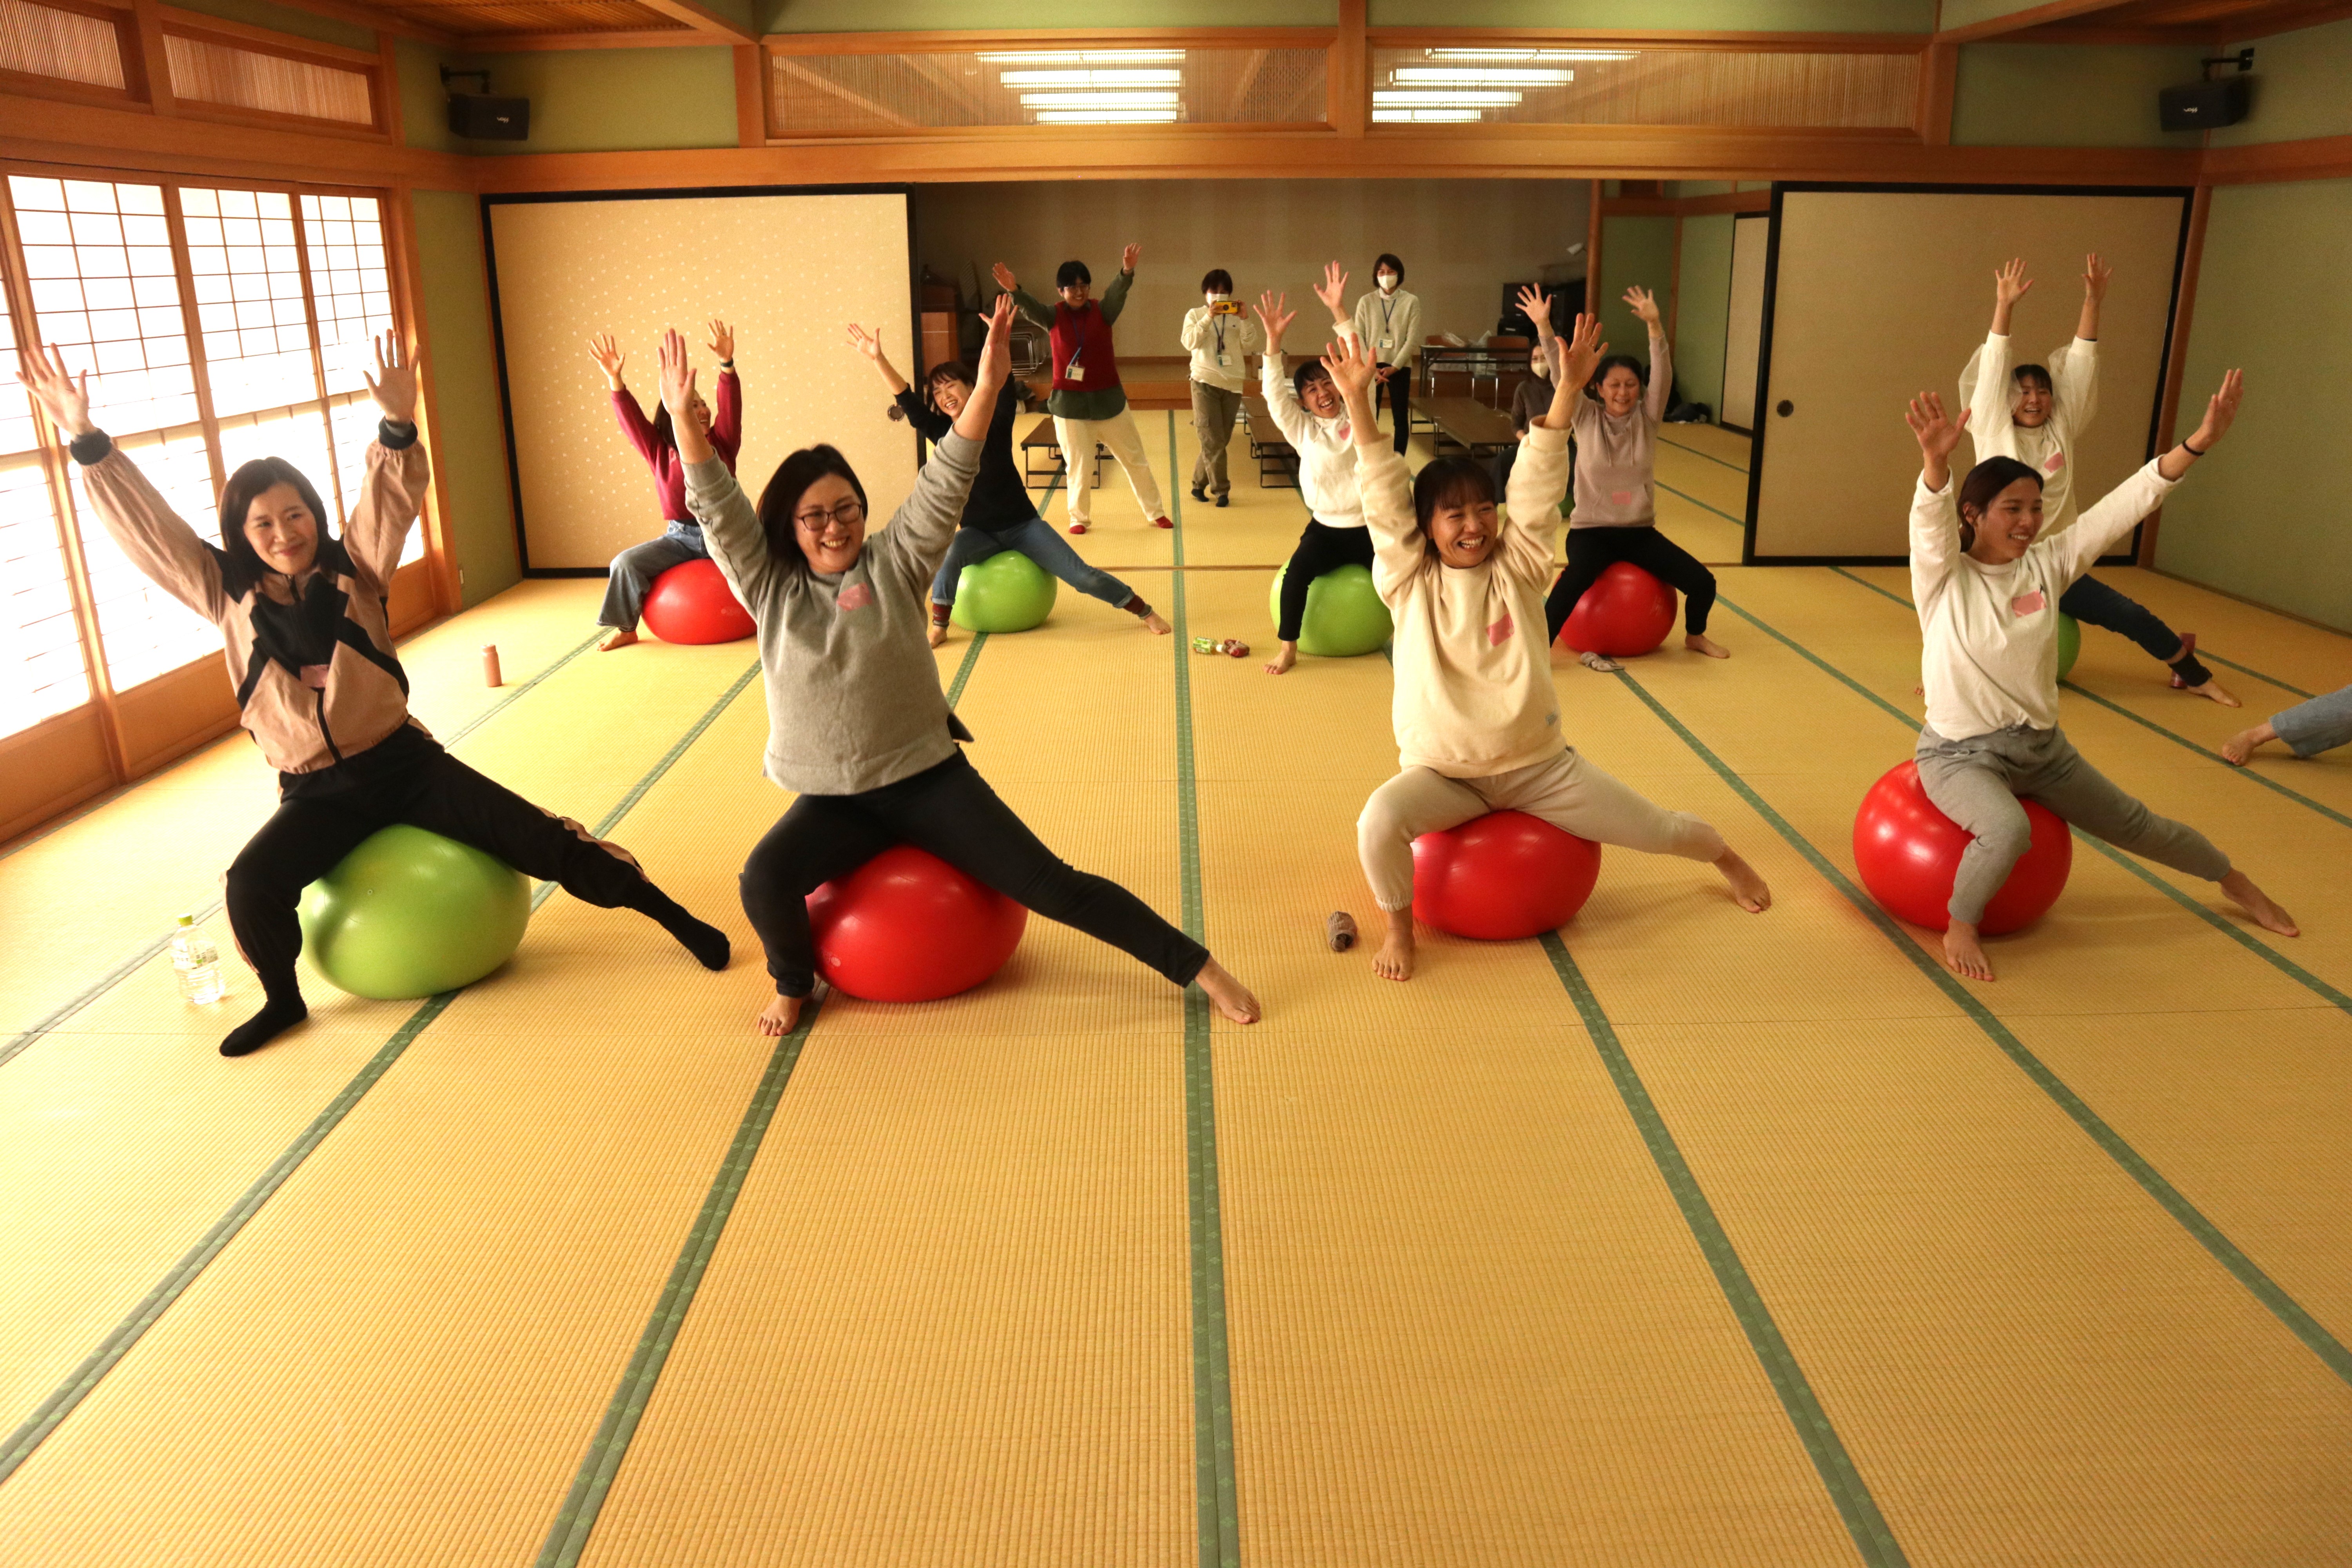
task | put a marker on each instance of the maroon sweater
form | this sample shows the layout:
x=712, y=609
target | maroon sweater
x=661, y=456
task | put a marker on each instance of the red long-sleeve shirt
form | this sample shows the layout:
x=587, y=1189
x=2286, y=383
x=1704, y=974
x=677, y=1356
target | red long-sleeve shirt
x=670, y=474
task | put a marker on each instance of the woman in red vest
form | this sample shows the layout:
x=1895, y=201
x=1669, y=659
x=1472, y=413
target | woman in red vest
x=1087, y=403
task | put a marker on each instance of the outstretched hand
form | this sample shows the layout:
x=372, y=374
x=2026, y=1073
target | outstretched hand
x=607, y=355
x=972, y=421
x=2221, y=411
x=1003, y=276
x=1126, y=257
x=722, y=340
x=1581, y=353
x=2009, y=284
x=394, y=385
x=1273, y=315
x=1645, y=306
x=1333, y=289
x=866, y=343
x=687, y=411
x=1352, y=370
x=64, y=396
x=1536, y=306
x=2095, y=273
x=1938, y=432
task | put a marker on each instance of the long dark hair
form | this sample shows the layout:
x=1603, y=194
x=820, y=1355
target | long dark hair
x=1985, y=481
x=245, y=567
x=1450, y=479
x=793, y=476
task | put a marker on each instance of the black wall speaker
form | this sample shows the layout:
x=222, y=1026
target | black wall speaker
x=2201, y=106
x=488, y=119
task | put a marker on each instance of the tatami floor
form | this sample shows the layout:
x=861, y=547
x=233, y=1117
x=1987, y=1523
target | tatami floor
x=1685, y=1237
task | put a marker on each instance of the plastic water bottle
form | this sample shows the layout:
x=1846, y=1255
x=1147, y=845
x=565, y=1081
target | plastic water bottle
x=198, y=964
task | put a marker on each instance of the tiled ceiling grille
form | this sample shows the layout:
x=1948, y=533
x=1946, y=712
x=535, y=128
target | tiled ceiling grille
x=867, y=94
x=1501, y=84
x=43, y=40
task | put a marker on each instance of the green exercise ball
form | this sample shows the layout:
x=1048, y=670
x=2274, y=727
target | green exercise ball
x=1344, y=614
x=410, y=913
x=2070, y=644
x=1006, y=593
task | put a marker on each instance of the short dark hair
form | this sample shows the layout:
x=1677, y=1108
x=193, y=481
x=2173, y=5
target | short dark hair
x=2034, y=373
x=1306, y=370
x=236, y=500
x=793, y=476
x=1072, y=272
x=1615, y=361
x=947, y=370
x=1443, y=479
x=1985, y=481
x=1216, y=280
x=1388, y=258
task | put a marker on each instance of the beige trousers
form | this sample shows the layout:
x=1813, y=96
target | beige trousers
x=1077, y=438
x=1567, y=792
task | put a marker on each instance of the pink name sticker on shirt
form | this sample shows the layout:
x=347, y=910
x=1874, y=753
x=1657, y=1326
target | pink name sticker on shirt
x=2027, y=603
x=1622, y=498
x=1347, y=431
x=1501, y=632
x=2057, y=462
x=856, y=596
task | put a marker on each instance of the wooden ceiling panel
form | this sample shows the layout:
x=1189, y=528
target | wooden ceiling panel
x=485, y=19
x=2189, y=21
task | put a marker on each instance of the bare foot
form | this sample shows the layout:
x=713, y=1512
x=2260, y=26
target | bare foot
x=1963, y=954
x=2257, y=903
x=2241, y=746
x=938, y=635
x=1157, y=624
x=1745, y=885
x=1284, y=657
x=1227, y=994
x=2213, y=689
x=781, y=1016
x=1395, y=958
x=1699, y=642
x=616, y=638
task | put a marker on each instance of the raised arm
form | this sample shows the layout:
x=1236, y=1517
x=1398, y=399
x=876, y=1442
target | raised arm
x=1333, y=292
x=1661, y=390
x=638, y=428
x=917, y=540
x=730, y=524
x=164, y=549
x=1935, y=513
x=2122, y=508
x=1530, y=529
x=1021, y=302
x=1274, y=314
x=727, y=417
x=1114, y=298
x=1399, y=549
x=2095, y=274
x=393, y=491
x=2074, y=369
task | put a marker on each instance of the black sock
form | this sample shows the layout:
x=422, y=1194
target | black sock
x=280, y=1011
x=705, y=942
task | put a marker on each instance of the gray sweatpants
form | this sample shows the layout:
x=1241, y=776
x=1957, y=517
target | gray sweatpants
x=1567, y=792
x=1213, y=411
x=2319, y=725
x=1980, y=781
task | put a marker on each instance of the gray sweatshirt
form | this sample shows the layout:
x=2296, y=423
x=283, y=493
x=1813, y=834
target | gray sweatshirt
x=854, y=698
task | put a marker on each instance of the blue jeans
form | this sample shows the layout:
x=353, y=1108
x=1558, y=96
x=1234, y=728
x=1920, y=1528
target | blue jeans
x=1036, y=540
x=635, y=569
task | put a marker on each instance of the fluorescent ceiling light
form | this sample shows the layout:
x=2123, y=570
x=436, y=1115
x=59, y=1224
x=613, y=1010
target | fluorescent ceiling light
x=1142, y=100
x=1082, y=56
x=1456, y=97
x=1425, y=116
x=1076, y=79
x=1481, y=76
x=1530, y=55
x=1106, y=117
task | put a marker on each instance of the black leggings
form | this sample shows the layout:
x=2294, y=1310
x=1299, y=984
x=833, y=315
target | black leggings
x=2095, y=603
x=313, y=830
x=1591, y=550
x=1398, y=390
x=948, y=811
x=1320, y=548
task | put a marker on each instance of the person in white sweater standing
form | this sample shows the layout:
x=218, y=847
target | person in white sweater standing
x=1476, y=713
x=2035, y=414
x=1389, y=322
x=1306, y=408
x=1220, y=336
x=1986, y=580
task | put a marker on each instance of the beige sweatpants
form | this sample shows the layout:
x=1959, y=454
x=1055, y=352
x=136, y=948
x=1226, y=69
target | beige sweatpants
x=1567, y=792
x=1077, y=438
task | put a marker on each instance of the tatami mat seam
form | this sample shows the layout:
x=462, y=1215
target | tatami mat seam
x=1710, y=456
x=2290, y=1312
x=61, y=1402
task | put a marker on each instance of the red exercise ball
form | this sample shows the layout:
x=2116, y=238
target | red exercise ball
x=1502, y=876
x=1627, y=612
x=909, y=927
x=1908, y=854
x=691, y=603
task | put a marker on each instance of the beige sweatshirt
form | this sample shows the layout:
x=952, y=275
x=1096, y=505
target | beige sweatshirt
x=1617, y=458
x=1990, y=659
x=1220, y=347
x=1988, y=390
x=1474, y=688
x=1391, y=325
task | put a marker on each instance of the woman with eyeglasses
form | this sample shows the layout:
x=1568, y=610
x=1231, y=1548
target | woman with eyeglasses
x=857, y=726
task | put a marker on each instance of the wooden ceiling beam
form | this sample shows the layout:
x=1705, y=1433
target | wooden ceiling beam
x=703, y=19
x=626, y=39
x=2019, y=21
x=378, y=18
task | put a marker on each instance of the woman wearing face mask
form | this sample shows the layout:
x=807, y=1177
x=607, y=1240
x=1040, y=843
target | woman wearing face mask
x=1616, y=517
x=1389, y=321
x=1306, y=408
x=1532, y=397
x=999, y=516
x=635, y=569
x=2035, y=415
x=1476, y=714
x=856, y=723
x=1987, y=577
x=1087, y=403
x=301, y=616
x=1220, y=336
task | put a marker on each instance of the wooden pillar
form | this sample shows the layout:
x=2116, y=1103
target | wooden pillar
x=1593, y=254
x=1347, y=100
x=1939, y=66
x=750, y=96
x=2176, y=359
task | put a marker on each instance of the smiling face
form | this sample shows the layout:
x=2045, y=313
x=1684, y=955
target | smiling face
x=2008, y=527
x=2033, y=401
x=1073, y=295
x=282, y=530
x=948, y=393
x=830, y=522
x=1462, y=526
x=1621, y=390
x=1320, y=397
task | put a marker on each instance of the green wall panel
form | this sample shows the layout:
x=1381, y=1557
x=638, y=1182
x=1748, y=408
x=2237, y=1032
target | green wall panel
x=1702, y=319
x=469, y=429
x=2303, y=88
x=2049, y=94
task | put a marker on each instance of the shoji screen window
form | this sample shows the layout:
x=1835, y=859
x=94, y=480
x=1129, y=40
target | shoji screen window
x=350, y=295
x=40, y=647
x=97, y=262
